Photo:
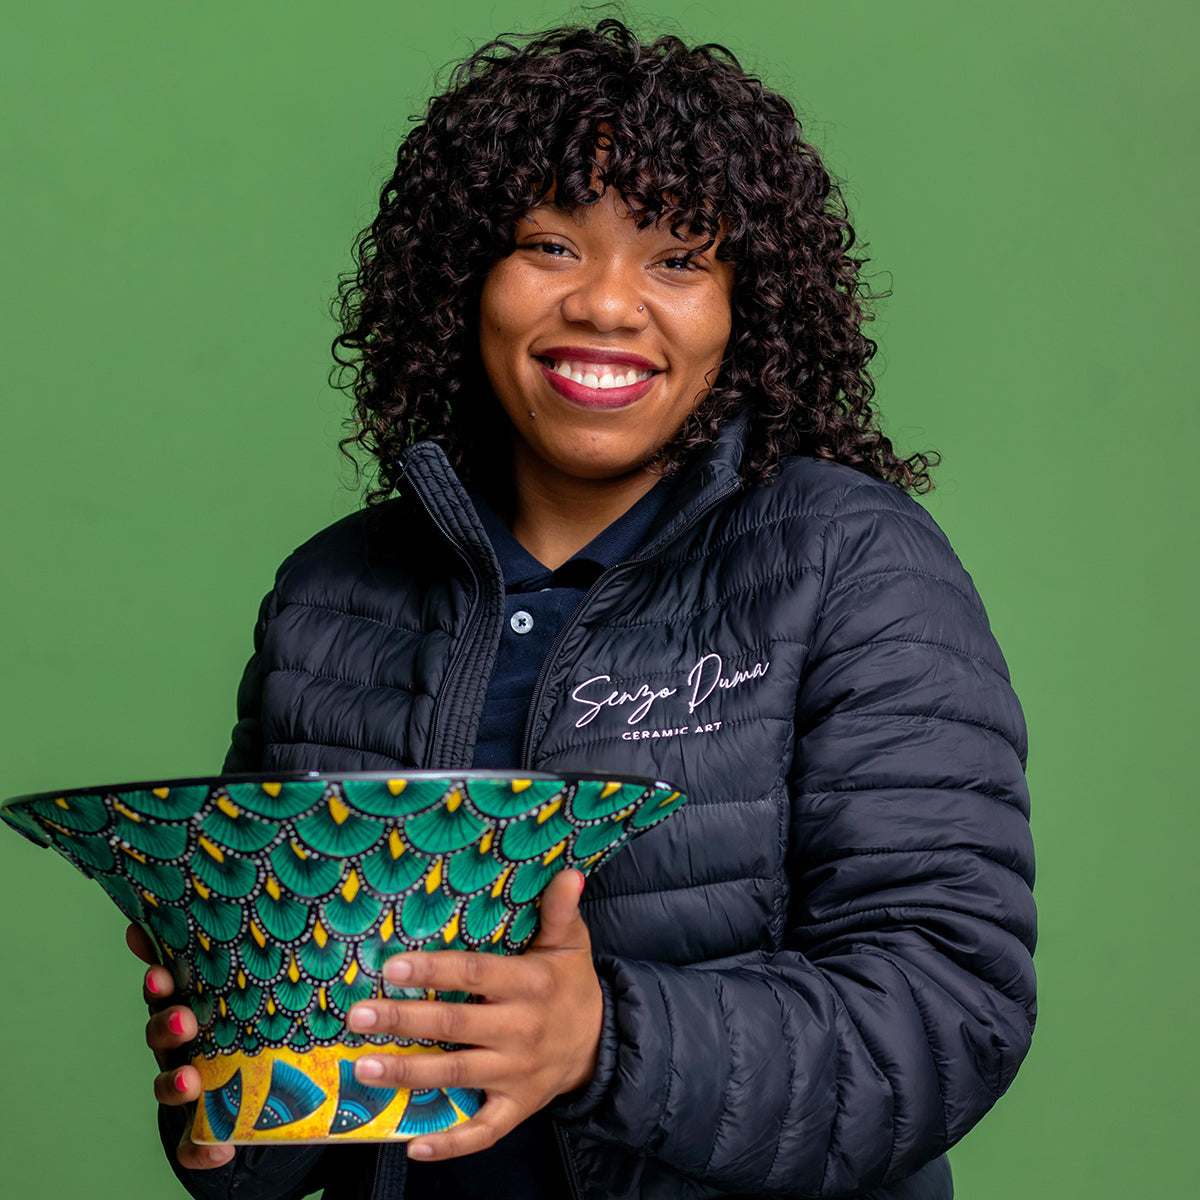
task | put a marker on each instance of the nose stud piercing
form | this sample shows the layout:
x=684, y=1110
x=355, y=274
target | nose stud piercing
x=641, y=308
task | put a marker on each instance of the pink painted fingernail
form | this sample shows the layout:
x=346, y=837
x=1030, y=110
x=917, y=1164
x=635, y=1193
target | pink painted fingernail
x=368, y=1068
x=179, y=1082
x=152, y=984
x=175, y=1022
x=398, y=969
x=582, y=883
x=419, y=1150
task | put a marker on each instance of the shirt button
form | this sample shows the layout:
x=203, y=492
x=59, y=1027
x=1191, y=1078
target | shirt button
x=521, y=622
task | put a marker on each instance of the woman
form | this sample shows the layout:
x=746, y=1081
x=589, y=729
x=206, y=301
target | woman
x=635, y=514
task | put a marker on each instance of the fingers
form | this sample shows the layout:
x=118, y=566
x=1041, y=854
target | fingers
x=434, y=1069
x=180, y=1086
x=157, y=986
x=201, y=1158
x=498, y=1116
x=169, y=1030
x=435, y=1021
x=498, y=976
x=471, y=971
x=138, y=940
x=561, y=925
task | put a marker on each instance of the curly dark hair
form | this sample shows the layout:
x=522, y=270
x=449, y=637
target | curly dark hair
x=687, y=138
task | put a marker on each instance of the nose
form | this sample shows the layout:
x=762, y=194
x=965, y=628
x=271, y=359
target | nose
x=606, y=296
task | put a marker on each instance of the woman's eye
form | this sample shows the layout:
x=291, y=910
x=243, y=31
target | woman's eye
x=681, y=262
x=552, y=248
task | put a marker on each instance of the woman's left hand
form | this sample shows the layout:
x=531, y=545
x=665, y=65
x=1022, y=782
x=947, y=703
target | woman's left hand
x=533, y=1035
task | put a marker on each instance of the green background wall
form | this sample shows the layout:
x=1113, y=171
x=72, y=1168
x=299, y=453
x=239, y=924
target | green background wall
x=181, y=187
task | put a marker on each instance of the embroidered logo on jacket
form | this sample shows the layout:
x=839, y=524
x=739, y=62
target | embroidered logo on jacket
x=706, y=677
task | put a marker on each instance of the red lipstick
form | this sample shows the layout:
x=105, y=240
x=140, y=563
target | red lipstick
x=595, y=354
x=586, y=397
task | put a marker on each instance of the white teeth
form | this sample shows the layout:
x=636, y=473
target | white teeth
x=616, y=381
x=602, y=378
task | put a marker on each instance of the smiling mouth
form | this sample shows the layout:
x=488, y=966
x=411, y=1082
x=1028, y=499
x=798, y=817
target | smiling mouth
x=599, y=376
x=597, y=385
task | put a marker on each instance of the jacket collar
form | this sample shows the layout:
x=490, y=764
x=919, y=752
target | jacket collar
x=709, y=476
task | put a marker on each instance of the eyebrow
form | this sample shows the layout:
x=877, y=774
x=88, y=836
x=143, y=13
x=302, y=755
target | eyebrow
x=707, y=241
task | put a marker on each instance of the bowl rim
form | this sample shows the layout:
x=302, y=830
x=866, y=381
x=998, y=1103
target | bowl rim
x=338, y=777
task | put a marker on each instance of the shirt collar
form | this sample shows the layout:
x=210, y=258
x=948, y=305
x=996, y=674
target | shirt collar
x=612, y=545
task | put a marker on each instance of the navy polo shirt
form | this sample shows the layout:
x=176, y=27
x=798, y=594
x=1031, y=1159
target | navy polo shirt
x=525, y=1165
x=537, y=604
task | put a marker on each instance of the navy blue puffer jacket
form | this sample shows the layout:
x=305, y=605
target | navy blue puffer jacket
x=818, y=974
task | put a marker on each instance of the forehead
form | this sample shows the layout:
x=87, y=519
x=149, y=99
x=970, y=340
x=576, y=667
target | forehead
x=612, y=213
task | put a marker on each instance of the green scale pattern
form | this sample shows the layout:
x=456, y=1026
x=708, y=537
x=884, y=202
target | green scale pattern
x=276, y=903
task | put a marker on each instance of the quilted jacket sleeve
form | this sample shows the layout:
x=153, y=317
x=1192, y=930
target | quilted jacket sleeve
x=245, y=751
x=902, y=1002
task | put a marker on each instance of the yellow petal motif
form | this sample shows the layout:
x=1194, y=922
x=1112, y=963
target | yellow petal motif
x=214, y=850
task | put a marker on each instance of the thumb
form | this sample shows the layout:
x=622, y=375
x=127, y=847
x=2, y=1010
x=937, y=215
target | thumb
x=138, y=941
x=561, y=925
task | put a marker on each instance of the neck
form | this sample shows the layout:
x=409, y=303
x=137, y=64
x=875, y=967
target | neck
x=554, y=516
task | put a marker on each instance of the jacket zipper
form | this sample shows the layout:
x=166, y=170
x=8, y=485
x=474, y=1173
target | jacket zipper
x=465, y=645
x=375, y=1174
x=650, y=552
x=568, y=1160
x=560, y=1135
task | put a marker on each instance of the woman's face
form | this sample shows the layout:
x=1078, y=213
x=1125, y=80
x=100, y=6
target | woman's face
x=599, y=338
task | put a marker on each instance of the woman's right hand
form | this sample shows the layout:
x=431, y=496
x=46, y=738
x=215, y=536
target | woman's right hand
x=172, y=1026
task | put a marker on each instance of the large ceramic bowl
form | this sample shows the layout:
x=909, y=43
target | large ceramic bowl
x=275, y=900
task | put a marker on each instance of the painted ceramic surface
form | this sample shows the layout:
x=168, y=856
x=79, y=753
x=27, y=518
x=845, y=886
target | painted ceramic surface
x=276, y=902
